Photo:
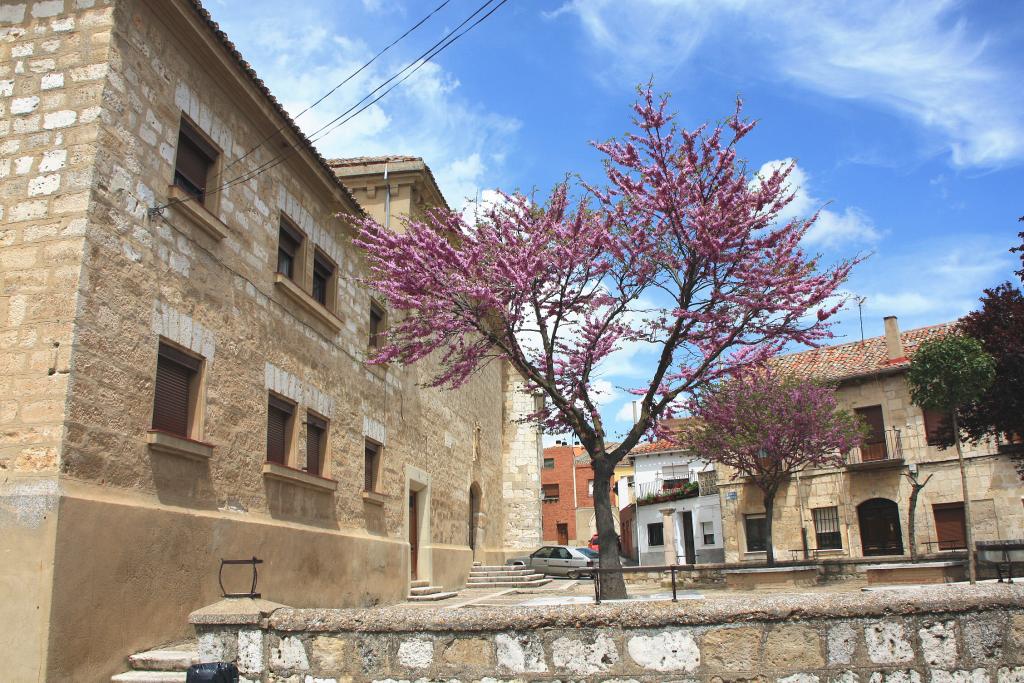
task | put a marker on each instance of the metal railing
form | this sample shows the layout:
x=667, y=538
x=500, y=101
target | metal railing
x=888, y=449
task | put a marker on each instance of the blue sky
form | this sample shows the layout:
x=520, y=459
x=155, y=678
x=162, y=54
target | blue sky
x=906, y=119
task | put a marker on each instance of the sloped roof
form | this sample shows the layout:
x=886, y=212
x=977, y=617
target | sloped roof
x=247, y=69
x=360, y=161
x=857, y=359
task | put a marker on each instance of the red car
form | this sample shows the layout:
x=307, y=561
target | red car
x=595, y=545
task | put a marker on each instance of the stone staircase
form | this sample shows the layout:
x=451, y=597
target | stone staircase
x=164, y=665
x=422, y=591
x=504, y=576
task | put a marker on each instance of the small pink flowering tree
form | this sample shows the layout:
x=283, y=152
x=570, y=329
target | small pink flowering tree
x=766, y=426
x=680, y=251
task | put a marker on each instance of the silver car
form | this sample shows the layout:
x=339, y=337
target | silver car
x=559, y=560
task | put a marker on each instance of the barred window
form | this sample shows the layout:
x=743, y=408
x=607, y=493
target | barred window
x=826, y=528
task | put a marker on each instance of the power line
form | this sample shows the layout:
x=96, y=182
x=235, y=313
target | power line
x=353, y=111
x=335, y=88
x=356, y=109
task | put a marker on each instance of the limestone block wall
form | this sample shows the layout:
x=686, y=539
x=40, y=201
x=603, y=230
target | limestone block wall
x=53, y=60
x=936, y=635
x=521, y=467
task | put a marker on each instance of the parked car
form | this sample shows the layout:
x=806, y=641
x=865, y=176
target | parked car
x=595, y=544
x=559, y=560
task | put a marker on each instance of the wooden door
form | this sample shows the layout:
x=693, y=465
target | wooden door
x=563, y=534
x=950, y=526
x=413, y=534
x=691, y=555
x=873, y=447
x=880, y=532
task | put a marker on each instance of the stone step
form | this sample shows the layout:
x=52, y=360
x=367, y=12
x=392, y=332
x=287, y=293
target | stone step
x=474, y=580
x=521, y=572
x=425, y=590
x=419, y=583
x=497, y=567
x=511, y=584
x=430, y=597
x=164, y=660
x=149, y=677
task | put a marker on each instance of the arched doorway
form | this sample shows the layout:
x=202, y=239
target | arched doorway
x=880, y=532
x=474, y=516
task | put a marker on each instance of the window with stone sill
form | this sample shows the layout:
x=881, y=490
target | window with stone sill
x=378, y=320
x=176, y=408
x=325, y=280
x=290, y=245
x=371, y=466
x=280, y=429
x=195, y=163
x=316, y=443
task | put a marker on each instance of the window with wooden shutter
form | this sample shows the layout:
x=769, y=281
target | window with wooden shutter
x=370, y=465
x=323, y=278
x=194, y=161
x=950, y=526
x=377, y=317
x=316, y=442
x=937, y=427
x=173, y=391
x=280, y=414
x=289, y=249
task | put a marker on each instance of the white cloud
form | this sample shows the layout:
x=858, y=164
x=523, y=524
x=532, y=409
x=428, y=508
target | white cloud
x=918, y=59
x=625, y=413
x=427, y=115
x=831, y=229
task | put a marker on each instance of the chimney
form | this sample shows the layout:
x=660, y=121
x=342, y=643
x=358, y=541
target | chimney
x=893, y=343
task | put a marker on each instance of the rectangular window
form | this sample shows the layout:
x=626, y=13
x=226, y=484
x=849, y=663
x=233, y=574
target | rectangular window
x=174, y=393
x=377, y=318
x=194, y=162
x=280, y=419
x=826, y=528
x=323, y=278
x=656, y=534
x=950, y=526
x=757, y=533
x=590, y=487
x=675, y=476
x=549, y=493
x=936, y=427
x=289, y=249
x=316, y=443
x=371, y=464
x=549, y=463
x=707, y=529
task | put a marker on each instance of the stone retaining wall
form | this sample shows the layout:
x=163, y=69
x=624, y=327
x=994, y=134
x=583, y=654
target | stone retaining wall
x=941, y=634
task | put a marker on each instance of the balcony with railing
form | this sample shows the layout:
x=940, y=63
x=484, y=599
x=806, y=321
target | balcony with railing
x=662, y=490
x=884, y=452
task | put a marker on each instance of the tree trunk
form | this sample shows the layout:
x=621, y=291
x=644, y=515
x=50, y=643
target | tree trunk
x=972, y=572
x=769, y=505
x=613, y=586
x=915, y=491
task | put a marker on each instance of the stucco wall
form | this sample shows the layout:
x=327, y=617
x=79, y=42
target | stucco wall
x=940, y=635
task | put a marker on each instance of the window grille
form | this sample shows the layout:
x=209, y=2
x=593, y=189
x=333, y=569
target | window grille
x=826, y=528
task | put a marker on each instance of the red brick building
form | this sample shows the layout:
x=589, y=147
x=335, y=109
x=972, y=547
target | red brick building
x=567, y=482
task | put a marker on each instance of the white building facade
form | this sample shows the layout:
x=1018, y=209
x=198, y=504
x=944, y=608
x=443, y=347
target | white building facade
x=678, y=518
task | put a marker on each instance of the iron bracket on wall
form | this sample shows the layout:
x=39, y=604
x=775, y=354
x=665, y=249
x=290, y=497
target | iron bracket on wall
x=255, y=576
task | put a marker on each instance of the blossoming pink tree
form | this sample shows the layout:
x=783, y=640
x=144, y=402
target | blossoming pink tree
x=766, y=426
x=680, y=251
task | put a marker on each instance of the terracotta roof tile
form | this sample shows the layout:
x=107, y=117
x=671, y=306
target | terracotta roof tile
x=857, y=359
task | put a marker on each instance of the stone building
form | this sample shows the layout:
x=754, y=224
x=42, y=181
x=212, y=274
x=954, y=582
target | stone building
x=862, y=508
x=182, y=354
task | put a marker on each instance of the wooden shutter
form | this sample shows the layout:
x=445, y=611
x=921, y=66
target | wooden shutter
x=194, y=159
x=376, y=325
x=315, y=432
x=173, y=390
x=874, y=443
x=936, y=425
x=950, y=526
x=279, y=414
x=370, y=467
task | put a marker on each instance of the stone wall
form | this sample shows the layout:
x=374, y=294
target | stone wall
x=935, y=635
x=521, y=466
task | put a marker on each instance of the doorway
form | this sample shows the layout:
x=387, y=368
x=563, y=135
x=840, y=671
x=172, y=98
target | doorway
x=880, y=532
x=563, y=533
x=414, y=537
x=691, y=555
x=873, y=449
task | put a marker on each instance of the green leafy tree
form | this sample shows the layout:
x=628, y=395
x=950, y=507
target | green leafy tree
x=947, y=374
